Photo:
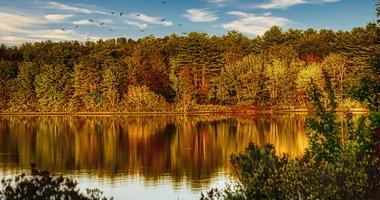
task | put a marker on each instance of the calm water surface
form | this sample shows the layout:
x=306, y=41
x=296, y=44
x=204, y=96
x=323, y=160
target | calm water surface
x=143, y=157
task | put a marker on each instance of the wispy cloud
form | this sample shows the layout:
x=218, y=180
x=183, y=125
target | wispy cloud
x=254, y=24
x=76, y=9
x=150, y=19
x=136, y=24
x=82, y=22
x=220, y=2
x=20, y=28
x=200, y=15
x=97, y=22
x=54, y=34
x=17, y=23
x=41, y=35
x=57, y=17
x=282, y=4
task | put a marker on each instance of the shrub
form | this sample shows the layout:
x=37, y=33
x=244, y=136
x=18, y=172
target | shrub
x=142, y=99
x=42, y=185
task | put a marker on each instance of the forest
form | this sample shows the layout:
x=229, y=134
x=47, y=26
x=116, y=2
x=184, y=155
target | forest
x=184, y=73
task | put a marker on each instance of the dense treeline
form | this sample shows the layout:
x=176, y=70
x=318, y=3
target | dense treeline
x=180, y=72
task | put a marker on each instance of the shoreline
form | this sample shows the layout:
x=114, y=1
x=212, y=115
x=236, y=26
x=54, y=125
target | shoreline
x=226, y=112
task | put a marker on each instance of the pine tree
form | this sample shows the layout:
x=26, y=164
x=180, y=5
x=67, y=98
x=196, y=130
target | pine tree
x=203, y=59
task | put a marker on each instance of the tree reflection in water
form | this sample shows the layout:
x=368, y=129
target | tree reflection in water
x=184, y=148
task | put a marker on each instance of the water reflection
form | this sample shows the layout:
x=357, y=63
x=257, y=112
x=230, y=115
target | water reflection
x=191, y=149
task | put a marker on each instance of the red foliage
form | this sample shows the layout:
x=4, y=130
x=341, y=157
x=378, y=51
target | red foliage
x=312, y=58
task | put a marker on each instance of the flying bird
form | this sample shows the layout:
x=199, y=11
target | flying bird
x=101, y=23
x=121, y=14
x=91, y=20
x=76, y=26
x=184, y=33
x=62, y=29
x=141, y=30
x=164, y=2
x=163, y=19
x=112, y=13
x=179, y=24
x=110, y=30
x=138, y=14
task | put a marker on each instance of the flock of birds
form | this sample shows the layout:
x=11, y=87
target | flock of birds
x=121, y=14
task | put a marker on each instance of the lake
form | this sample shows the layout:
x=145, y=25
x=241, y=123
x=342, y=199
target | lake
x=143, y=156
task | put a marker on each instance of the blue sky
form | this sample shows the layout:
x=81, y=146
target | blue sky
x=37, y=20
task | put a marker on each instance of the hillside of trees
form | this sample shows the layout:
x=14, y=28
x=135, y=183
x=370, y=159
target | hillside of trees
x=180, y=73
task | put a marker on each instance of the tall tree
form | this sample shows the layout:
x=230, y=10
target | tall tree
x=22, y=88
x=114, y=73
x=275, y=73
x=312, y=73
x=235, y=46
x=337, y=67
x=8, y=71
x=273, y=36
x=202, y=58
x=87, y=85
x=54, y=88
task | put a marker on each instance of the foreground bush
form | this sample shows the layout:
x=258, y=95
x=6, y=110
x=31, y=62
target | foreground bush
x=261, y=174
x=42, y=185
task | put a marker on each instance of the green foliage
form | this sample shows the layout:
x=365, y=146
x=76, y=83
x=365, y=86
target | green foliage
x=22, y=88
x=261, y=174
x=244, y=82
x=256, y=170
x=235, y=46
x=199, y=62
x=313, y=46
x=227, y=90
x=7, y=73
x=43, y=185
x=275, y=73
x=142, y=99
x=113, y=75
x=312, y=72
x=336, y=165
x=53, y=88
x=87, y=86
x=271, y=37
x=324, y=129
x=368, y=87
x=337, y=67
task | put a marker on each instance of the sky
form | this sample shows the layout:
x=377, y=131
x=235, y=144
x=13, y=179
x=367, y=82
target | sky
x=59, y=20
